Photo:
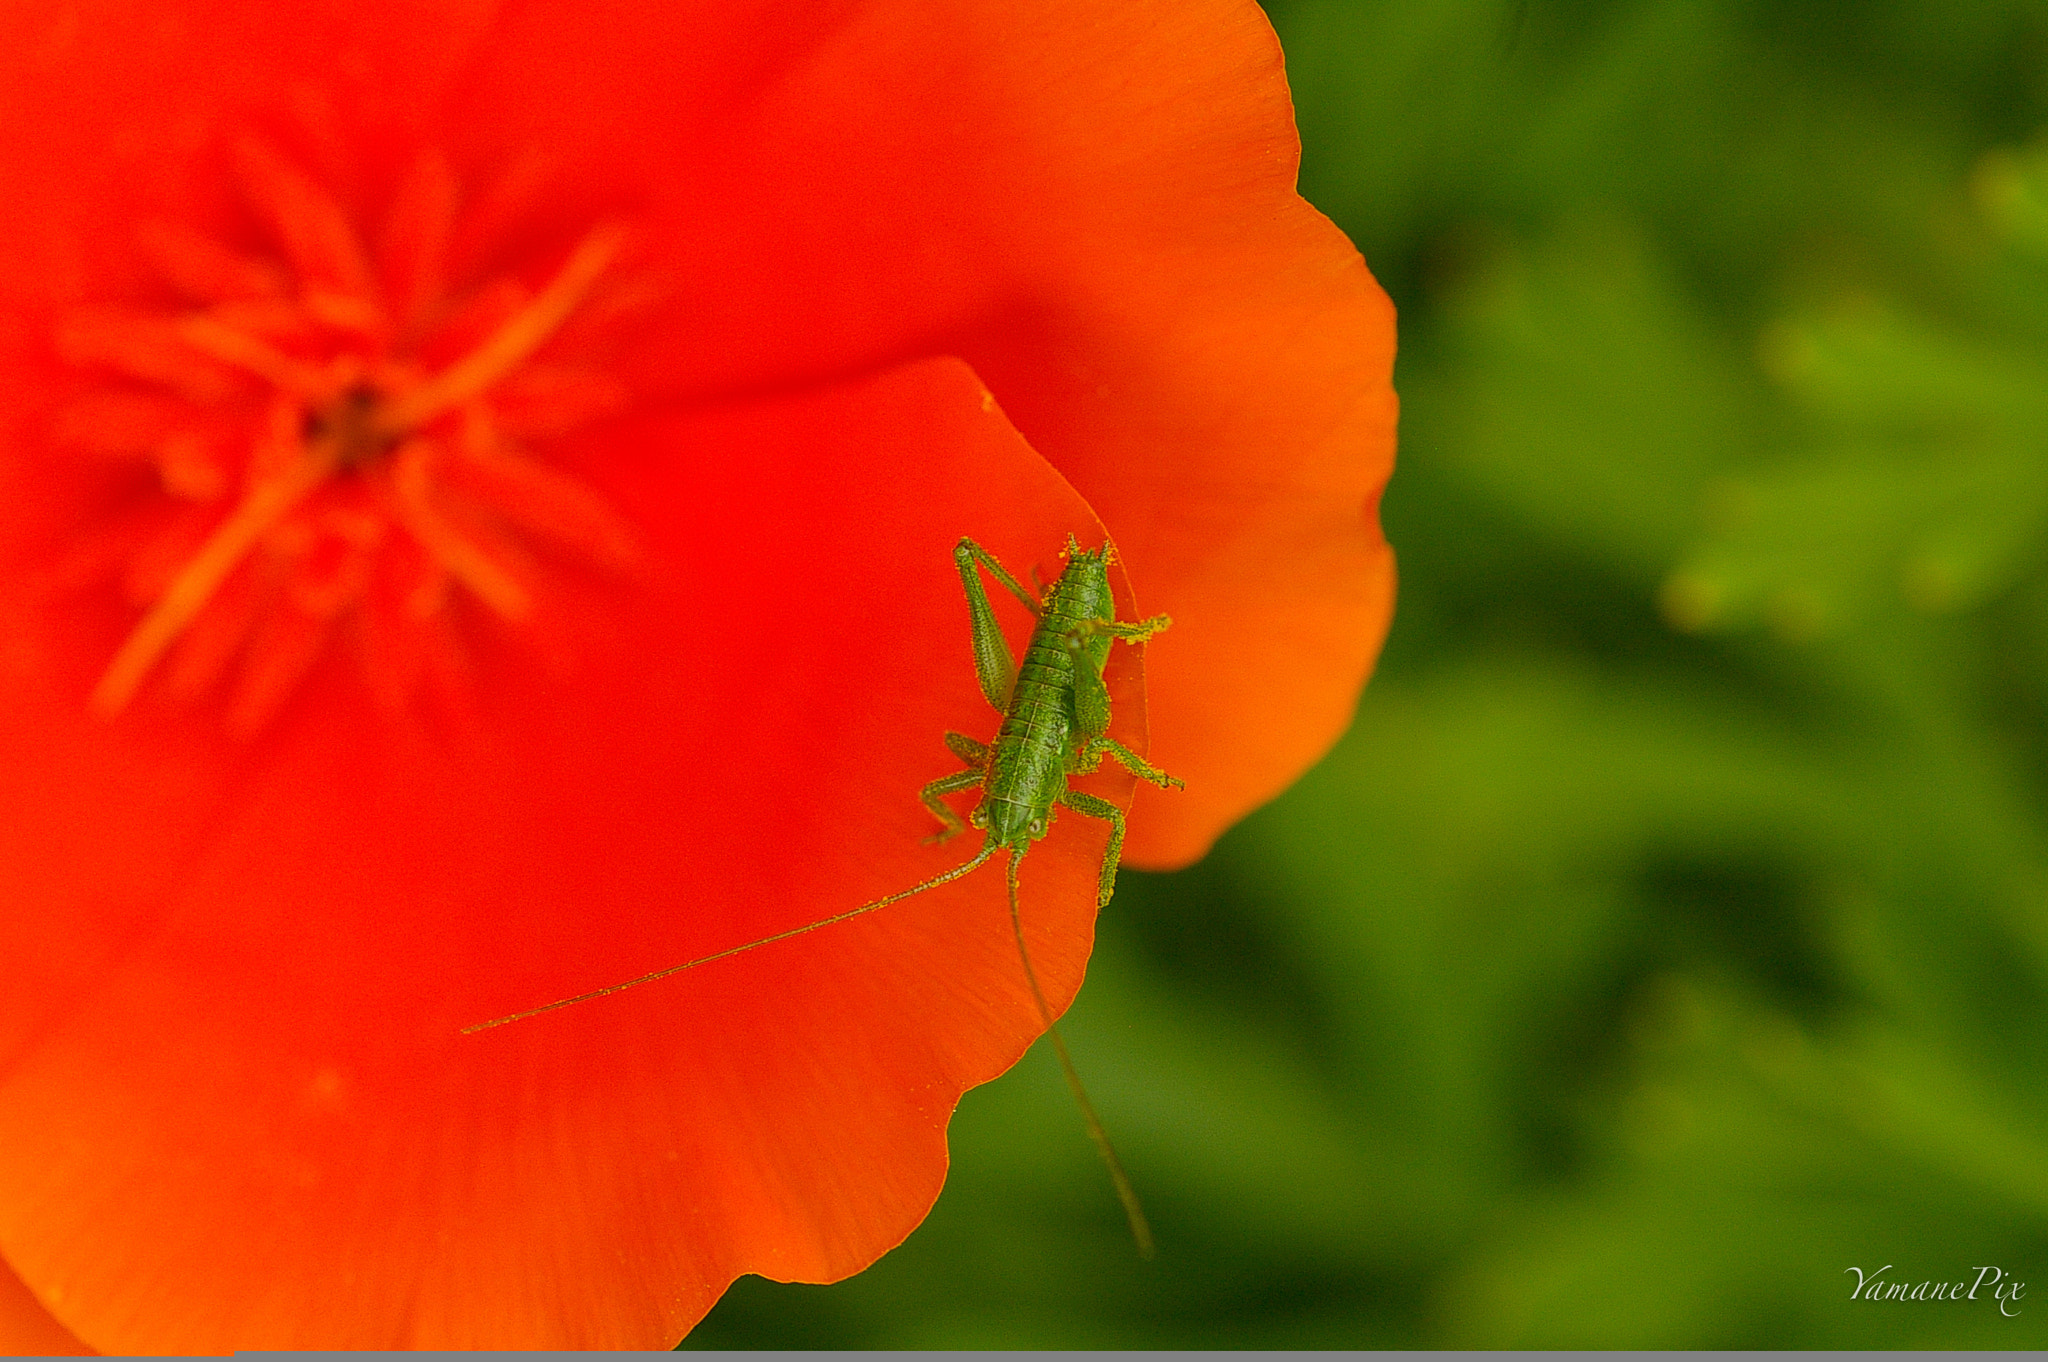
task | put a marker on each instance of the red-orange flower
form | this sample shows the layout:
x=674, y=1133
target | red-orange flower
x=476, y=491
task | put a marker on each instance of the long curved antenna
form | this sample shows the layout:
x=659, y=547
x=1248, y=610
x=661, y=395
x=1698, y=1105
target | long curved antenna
x=948, y=877
x=1141, y=1228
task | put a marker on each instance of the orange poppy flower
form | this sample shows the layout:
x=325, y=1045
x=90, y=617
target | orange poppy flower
x=475, y=525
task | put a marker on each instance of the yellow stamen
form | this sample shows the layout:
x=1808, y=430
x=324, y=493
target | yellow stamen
x=464, y=561
x=523, y=333
x=266, y=504
x=244, y=351
x=331, y=417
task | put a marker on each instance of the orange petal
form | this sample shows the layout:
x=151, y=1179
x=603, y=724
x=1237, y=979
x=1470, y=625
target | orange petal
x=237, y=1111
x=27, y=1329
x=1103, y=221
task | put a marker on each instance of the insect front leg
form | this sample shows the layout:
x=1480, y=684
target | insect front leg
x=950, y=824
x=993, y=665
x=1103, y=809
x=969, y=750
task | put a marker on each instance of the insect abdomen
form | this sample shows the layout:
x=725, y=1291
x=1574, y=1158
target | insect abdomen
x=1028, y=760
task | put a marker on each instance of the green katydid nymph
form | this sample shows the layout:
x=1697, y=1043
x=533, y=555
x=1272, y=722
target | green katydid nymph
x=1056, y=717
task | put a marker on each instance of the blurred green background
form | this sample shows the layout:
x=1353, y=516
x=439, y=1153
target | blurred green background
x=1671, y=932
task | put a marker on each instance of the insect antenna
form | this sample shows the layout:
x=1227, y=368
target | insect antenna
x=934, y=882
x=1141, y=1228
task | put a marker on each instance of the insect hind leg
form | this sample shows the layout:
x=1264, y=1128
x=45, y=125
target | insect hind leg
x=994, y=667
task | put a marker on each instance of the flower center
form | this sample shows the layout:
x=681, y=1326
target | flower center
x=349, y=423
x=375, y=427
